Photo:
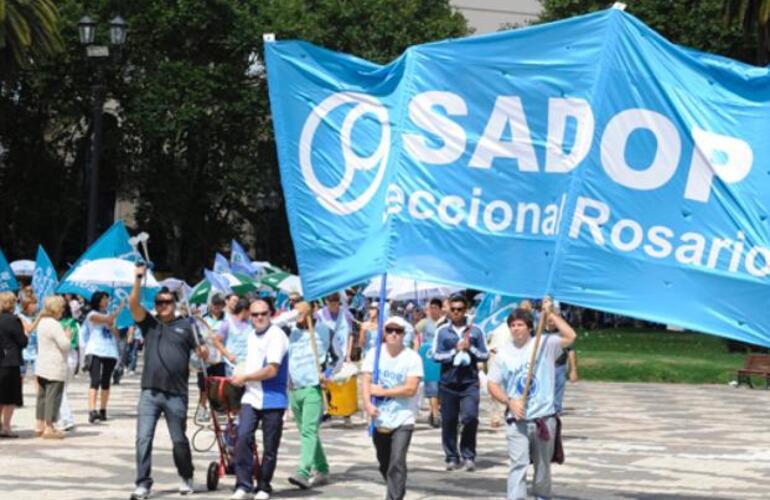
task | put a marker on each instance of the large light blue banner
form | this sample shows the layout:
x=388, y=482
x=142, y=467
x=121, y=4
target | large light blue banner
x=589, y=159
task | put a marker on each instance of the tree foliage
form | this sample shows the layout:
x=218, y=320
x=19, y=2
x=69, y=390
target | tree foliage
x=699, y=24
x=192, y=142
x=28, y=31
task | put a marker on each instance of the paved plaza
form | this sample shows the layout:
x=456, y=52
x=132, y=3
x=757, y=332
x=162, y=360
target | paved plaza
x=622, y=441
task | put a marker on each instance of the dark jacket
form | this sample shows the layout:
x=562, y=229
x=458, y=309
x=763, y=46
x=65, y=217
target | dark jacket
x=12, y=340
x=462, y=377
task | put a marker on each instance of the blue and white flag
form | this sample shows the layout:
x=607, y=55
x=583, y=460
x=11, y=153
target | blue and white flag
x=44, y=278
x=8, y=281
x=493, y=310
x=240, y=262
x=217, y=281
x=220, y=264
x=113, y=243
x=588, y=159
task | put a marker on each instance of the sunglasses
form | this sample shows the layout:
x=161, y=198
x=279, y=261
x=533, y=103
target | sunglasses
x=167, y=302
x=457, y=309
x=258, y=314
x=397, y=331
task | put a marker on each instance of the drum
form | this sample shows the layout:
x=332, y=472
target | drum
x=343, y=397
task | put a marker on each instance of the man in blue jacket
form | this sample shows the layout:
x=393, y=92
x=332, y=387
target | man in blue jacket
x=459, y=348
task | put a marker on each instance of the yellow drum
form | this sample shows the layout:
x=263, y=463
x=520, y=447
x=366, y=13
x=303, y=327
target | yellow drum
x=343, y=398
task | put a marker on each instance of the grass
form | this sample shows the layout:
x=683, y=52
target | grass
x=644, y=355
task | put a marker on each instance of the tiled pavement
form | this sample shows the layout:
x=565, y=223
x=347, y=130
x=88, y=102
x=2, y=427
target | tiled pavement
x=622, y=441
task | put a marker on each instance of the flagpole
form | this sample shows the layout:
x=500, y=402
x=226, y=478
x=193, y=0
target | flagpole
x=378, y=343
x=316, y=357
x=533, y=356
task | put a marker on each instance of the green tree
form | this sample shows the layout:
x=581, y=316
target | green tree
x=28, y=31
x=693, y=23
x=754, y=17
x=192, y=143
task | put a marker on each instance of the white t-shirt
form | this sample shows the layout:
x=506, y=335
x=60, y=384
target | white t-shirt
x=262, y=350
x=510, y=367
x=395, y=412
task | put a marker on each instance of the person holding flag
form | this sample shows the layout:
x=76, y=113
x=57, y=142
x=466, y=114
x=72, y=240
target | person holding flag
x=522, y=377
x=400, y=372
x=168, y=343
x=305, y=396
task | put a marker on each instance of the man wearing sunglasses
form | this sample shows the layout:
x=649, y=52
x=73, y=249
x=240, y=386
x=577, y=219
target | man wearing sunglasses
x=265, y=400
x=400, y=372
x=168, y=342
x=459, y=349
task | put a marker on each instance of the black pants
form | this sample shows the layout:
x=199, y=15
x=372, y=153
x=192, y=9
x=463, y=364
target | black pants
x=459, y=407
x=391, y=454
x=101, y=369
x=272, y=428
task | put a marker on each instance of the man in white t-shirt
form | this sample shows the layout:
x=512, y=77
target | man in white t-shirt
x=399, y=374
x=531, y=423
x=265, y=399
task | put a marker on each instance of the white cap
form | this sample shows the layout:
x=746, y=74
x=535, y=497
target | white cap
x=395, y=320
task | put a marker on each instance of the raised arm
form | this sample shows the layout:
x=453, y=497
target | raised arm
x=138, y=312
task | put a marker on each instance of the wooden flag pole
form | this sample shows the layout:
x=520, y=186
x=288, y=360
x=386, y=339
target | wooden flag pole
x=533, y=358
x=314, y=347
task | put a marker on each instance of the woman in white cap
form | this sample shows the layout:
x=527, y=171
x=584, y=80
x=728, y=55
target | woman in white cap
x=400, y=371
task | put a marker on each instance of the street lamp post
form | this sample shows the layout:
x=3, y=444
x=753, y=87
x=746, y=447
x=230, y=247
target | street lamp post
x=99, y=54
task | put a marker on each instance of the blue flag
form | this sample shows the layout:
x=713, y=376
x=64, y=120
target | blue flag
x=217, y=281
x=493, y=310
x=44, y=278
x=240, y=262
x=220, y=264
x=8, y=281
x=587, y=159
x=113, y=243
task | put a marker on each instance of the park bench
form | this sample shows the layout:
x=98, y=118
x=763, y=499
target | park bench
x=756, y=364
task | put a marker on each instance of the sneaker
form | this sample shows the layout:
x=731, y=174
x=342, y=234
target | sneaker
x=186, y=487
x=319, y=478
x=299, y=481
x=68, y=427
x=452, y=466
x=469, y=465
x=93, y=417
x=240, y=495
x=434, y=421
x=262, y=495
x=103, y=415
x=140, y=493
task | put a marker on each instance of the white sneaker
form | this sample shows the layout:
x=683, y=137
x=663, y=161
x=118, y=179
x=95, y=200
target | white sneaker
x=186, y=487
x=140, y=493
x=262, y=495
x=318, y=479
x=240, y=495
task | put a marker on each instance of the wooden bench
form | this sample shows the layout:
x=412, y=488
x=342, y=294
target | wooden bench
x=756, y=364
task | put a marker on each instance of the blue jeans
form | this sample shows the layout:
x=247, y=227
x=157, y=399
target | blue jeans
x=174, y=408
x=272, y=428
x=560, y=384
x=463, y=407
x=131, y=355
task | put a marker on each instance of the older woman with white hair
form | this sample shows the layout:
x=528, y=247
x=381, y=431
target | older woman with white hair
x=51, y=370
